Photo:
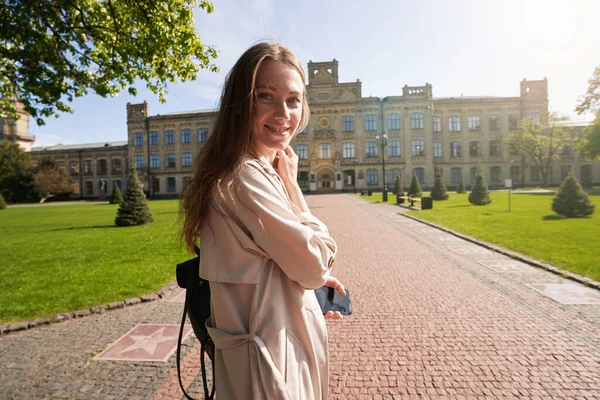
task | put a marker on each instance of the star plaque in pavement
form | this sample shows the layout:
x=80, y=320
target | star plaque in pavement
x=145, y=342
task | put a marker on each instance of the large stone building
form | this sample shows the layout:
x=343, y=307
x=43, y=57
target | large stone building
x=17, y=131
x=342, y=147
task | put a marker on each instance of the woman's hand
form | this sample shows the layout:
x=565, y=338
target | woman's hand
x=286, y=165
x=337, y=285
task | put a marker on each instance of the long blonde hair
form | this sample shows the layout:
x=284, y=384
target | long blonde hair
x=231, y=138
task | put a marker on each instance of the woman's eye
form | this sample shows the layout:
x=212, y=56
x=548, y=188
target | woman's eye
x=265, y=96
x=295, y=100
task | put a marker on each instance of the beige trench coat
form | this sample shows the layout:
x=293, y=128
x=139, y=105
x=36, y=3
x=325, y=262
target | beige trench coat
x=263, y=257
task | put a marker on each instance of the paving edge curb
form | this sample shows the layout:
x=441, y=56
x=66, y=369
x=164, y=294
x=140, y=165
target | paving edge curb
x=563, y=273
x=60, y=317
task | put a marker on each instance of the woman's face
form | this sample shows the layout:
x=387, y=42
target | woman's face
x=277, y=106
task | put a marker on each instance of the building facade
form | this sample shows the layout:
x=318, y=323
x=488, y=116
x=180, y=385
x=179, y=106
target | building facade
x=347, y=136
x=17, y=131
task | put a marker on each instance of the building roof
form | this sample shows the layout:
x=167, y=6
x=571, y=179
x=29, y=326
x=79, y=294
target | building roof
x=185, y=112
x=81, y=146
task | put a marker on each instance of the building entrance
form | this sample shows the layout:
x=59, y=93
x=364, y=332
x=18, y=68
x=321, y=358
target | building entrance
x=326, y=181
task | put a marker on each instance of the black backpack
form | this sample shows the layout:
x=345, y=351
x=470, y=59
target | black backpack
x=197, y=307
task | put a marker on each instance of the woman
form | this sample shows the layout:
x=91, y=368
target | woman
x=262, y=250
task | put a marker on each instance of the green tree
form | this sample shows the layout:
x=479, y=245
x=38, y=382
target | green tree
x=134, y=209
x=480, y=195
x=3, y=204
x=439, y=190
x=54, y=51
x=415, y=187
x=540, y=142
x=571, y=200
x=116, y=197
x=396, y=189
x=589, y=142
x=16, y=173
x=591, y=100
x=461, y=186
x=50, y=181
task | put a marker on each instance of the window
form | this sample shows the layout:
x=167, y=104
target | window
x=171, y=185
x=186, y=159
x=89, y=187
x=74, y=167
x=515, y=173
x=325, y=150
x=454, y=124
x=171, y=160
x=138, y=162
x=202, y=135
x=87, y=167
x=153, y=138
x=371, y=149
x=494, y=122
x=372, y=177
x=138, y=139
x=155, y=185
x=394, y=148
x=455, y=149
x=535, y=117
x=416, y=120
x=348, y=150
x=116, y=166
x=455, y=174
x=102, y=186
x=534, y=173
x=418, y=147
x=473, y=174
x=586, y=173
x=420, y=173
x=303, y=131
x=566, y=151
x=474, y=123
x=347, y=123
x=496, y=174
x=303, y=179
x=186, y=136
x=495, y=148
x=437, y=124
x=475, y=149
x=75, y=187
x=437, y=150
x=169, y=137
x=392, y=175
x=102, y=166
x=513, y=122
x=185, y=180
x=564, y=171
x=370, y=122
x=393, y=121
x=302, y=151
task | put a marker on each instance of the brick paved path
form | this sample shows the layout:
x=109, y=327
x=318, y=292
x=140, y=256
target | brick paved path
x=428, y=323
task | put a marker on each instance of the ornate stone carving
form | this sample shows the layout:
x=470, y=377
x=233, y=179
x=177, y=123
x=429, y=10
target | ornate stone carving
x=324, y=134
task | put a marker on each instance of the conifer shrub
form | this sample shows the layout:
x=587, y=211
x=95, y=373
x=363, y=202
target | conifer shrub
x=461, y=186
x=571, y=201
x=415, y=187
x=134, y=209
x=3, y=204
x=480, y=195
x=439, y=190
x=116, y=197
x=396, y=189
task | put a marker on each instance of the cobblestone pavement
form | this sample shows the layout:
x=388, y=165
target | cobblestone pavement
x=430, y=320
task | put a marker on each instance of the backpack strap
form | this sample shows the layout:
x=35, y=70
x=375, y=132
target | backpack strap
x=179, y=352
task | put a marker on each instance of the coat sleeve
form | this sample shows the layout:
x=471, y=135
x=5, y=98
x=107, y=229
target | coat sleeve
x=297, y=241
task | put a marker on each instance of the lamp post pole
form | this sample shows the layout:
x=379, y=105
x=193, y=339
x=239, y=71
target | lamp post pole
x=355, y=161
x=384, y=196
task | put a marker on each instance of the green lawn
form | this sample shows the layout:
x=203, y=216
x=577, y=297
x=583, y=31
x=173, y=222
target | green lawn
x=65, y=258
x=530, y=228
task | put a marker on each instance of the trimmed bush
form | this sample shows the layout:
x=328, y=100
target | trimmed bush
x=439, y=190
x=396, y=189
x=3, y=204
x=480, y=195
x=134, y=209
x=461, y=186
x=571, y=201
x=116, y=197
x=415, y=187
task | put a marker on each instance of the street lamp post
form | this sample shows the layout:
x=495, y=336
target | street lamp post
x=354, y=162
x=384, y=137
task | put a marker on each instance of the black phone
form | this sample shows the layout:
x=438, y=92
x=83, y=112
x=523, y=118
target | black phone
x=331, y=300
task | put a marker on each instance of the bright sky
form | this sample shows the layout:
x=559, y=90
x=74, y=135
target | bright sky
x=468, y=47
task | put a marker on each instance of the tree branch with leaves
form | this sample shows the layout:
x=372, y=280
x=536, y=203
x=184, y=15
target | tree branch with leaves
x=54, y=51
